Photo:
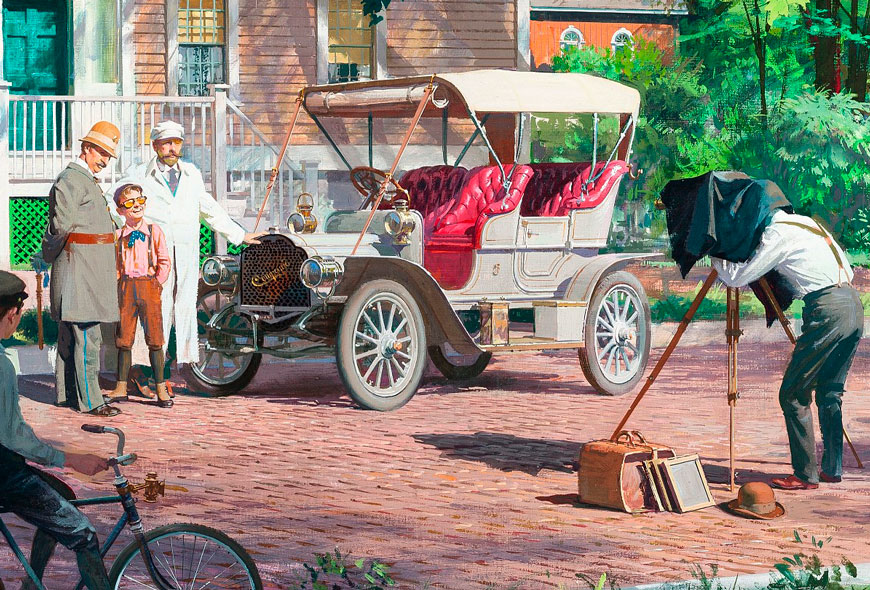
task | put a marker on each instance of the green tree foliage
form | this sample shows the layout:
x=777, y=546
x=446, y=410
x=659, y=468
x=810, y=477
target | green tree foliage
x=812, y=143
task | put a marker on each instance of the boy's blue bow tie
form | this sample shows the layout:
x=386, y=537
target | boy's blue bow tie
x=133, y=236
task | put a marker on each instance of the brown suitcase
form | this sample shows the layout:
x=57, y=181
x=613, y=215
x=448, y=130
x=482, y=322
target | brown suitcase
x=611, y=473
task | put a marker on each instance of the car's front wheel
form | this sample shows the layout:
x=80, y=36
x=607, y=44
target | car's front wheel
x=225, y=364
x=617, y=335
x=381, y=346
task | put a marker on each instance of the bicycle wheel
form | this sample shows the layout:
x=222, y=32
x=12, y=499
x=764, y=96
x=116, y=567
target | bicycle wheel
x=190, y=557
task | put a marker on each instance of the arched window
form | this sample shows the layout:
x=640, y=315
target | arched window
x=621, y=40
x=571, y=37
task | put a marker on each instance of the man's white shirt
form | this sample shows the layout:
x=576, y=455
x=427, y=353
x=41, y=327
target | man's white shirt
x=802, y=257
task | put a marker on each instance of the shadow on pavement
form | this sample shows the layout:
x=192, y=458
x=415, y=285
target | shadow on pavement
x=506, y=452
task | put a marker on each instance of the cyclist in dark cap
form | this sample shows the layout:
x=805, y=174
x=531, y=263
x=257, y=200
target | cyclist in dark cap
x=34, y=495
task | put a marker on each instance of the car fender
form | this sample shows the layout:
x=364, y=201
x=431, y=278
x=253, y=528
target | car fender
x=587, y=278
x=442, y=322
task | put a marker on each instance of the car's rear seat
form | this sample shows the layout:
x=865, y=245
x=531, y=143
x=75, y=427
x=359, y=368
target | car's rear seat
x=556, y=189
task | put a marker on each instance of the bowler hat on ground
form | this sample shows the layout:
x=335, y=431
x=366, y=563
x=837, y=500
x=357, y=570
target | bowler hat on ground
x=12, y=289
x=104, y=135
x=755, y=500
x=119, y=192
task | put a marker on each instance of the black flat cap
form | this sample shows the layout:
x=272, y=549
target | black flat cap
x=12, y=289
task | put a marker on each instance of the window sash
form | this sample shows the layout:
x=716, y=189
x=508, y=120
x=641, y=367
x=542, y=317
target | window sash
x=351, y=42
x=199, y=66
x=202, y=21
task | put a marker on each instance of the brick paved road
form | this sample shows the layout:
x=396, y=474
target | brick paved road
x=472, y=485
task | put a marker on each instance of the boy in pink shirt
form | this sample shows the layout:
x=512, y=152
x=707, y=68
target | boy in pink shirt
x=143, y=267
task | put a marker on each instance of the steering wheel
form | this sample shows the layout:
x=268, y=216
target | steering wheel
x=368, y=181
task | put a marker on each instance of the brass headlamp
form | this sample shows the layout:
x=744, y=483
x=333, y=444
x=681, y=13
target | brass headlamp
x=399, y=223
x=221, y=272
x=303, y=221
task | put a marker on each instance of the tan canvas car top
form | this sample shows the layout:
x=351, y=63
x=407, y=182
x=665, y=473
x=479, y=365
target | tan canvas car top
x=482, y=91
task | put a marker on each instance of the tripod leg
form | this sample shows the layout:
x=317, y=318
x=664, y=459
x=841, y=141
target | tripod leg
x=732, y=334
x=690, y=313
x=765, y=286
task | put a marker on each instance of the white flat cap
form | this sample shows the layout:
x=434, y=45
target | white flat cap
x=167, y=130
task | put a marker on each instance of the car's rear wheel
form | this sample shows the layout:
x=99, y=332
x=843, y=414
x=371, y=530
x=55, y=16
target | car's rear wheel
x=617, y=335
x=457, y=366
x=381, y=346
x=219, y=373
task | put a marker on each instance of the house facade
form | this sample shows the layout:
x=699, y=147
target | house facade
x=557, y=24
x=227, y=69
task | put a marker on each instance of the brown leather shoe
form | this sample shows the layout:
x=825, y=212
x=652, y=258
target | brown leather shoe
x=829, y=478
x=105, y=411
x=792, y=482
x=144, y=389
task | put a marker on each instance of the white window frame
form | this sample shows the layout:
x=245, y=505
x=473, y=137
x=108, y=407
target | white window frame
x=571, y=29
x=231, y=48
x=614, y=44
x=379, y=45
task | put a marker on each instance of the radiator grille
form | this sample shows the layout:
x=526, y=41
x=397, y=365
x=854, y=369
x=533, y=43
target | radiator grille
x=270, y=274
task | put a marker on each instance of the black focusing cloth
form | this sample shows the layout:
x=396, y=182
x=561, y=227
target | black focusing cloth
x=723, y=214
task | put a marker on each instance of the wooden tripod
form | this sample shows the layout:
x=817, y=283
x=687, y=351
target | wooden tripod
x=732, y=333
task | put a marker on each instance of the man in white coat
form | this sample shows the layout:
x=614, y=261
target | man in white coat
x=177, y=202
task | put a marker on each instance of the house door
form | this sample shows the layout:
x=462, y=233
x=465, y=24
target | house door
x=35, y=62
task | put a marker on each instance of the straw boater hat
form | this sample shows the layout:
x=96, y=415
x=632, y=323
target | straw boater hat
x=755, y=500
x=167, y=130
x=104, y=135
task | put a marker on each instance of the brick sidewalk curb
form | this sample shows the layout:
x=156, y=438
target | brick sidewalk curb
x=750, y=581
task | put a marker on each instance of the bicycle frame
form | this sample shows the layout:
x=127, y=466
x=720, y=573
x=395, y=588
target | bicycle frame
x=129, y=517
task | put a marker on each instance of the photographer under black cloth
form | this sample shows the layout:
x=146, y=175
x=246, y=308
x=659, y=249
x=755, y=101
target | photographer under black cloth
x=723, y=214
x=747, y=227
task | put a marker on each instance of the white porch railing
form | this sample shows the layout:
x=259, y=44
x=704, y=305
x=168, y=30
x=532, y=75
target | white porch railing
x=41, y=135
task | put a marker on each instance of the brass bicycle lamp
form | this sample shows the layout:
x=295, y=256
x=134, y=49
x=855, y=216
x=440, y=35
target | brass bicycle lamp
x=399, y=223
x=303, y=221
x=151, y=487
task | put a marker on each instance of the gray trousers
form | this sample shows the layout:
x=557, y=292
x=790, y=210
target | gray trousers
x=833, y=322
x=78, y=365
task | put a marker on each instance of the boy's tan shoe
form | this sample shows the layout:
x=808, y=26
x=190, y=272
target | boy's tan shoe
x=163, y=399
x=118, y=394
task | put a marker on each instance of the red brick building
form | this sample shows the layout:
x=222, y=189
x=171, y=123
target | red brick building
x=560, y=23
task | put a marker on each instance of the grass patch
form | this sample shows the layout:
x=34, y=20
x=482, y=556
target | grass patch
x=27, y=333
x=713, y=307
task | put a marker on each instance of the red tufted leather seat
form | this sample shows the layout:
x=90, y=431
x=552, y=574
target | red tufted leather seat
x=481, y=197
x=449, y=251
x=432, y=191
x=556, y=189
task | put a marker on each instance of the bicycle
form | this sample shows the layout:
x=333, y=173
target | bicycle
x=170, y=557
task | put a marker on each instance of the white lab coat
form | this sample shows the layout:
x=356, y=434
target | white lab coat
x=179, y=217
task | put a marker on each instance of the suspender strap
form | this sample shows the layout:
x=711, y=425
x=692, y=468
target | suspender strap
x=150, y=253
x=119, y=261
x=819, y=230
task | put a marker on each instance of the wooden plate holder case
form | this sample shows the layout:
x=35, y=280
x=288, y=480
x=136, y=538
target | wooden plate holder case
x=611, y=472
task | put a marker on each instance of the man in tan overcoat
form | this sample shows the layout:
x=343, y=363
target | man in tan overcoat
x=79, y=243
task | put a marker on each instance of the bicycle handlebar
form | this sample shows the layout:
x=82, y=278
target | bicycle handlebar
x=97, y=429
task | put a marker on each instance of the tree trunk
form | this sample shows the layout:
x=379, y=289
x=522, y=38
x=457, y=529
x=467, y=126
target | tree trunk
x=825, y=51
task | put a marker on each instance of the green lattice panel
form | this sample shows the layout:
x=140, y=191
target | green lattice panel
x=206, y=243
x=27, y=219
